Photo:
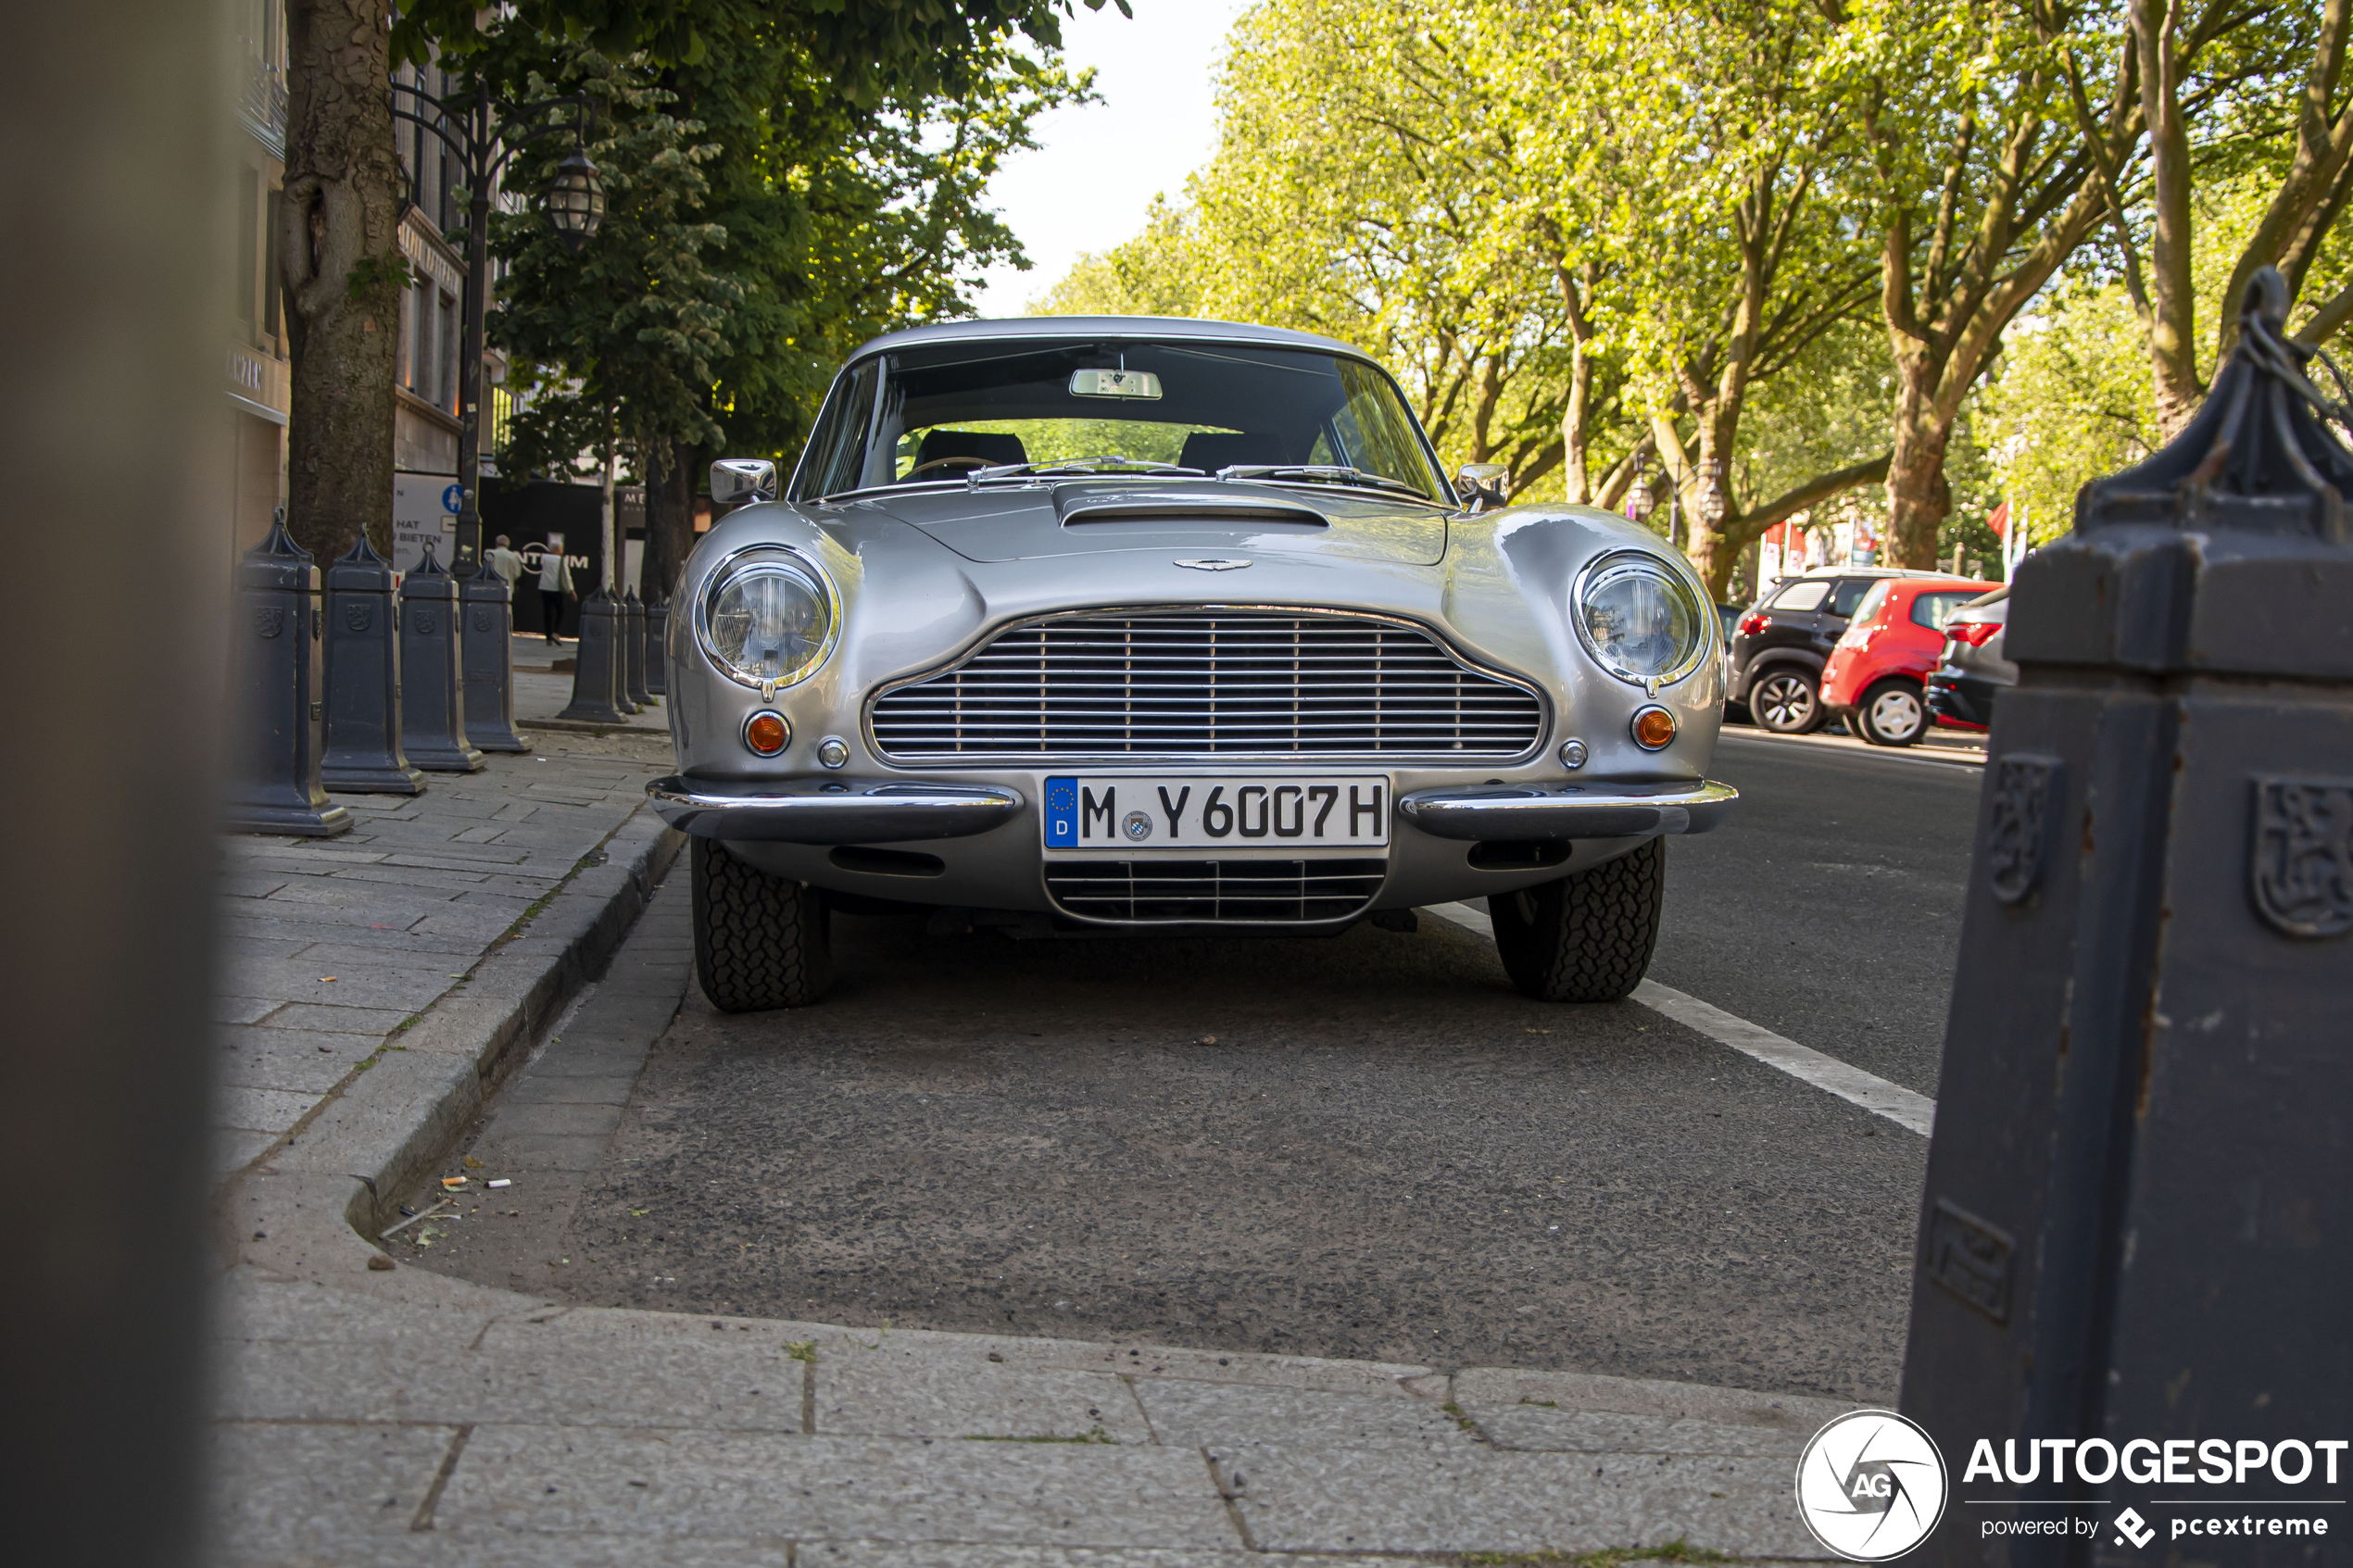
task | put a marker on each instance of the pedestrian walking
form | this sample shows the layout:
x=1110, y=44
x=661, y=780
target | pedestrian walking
x=555, y=584
x=506, y=563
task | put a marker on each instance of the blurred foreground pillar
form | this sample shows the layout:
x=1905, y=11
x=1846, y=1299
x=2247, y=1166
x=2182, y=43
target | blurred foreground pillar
x=114, y=435
x=2135, y=1227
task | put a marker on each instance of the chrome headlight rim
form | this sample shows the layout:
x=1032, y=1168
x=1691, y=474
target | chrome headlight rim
x=784, y=559
x=1607, y=567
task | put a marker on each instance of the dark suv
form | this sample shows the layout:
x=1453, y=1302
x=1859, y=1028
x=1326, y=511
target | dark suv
x=1779, y=646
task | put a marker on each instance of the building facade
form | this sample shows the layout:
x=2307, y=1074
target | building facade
x=253, y=376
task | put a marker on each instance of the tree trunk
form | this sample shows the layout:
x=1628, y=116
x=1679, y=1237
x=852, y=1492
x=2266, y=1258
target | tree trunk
x=1918, y=497
x=670, y=514
x=2172, y=323
x=342, y=272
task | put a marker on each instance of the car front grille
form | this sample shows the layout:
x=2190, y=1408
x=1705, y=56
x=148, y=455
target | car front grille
x=1283, y=891
x=1224, y=684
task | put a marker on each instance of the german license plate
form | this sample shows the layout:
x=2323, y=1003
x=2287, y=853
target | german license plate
x=1121, y=812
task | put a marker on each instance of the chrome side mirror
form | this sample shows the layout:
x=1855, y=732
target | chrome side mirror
x=1480, y=485
x=737, y=482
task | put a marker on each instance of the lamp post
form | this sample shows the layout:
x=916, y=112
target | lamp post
x=574, y=201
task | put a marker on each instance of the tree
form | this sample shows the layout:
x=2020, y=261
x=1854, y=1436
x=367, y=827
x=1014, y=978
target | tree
x=340, y=272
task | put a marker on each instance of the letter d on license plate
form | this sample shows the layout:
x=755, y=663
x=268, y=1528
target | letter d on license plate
x=1120, y=811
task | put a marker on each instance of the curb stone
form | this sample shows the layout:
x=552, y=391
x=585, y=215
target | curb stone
x=387, y=1127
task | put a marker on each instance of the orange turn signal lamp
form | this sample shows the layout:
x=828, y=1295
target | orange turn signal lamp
x=1653, y=727
x=767, y=733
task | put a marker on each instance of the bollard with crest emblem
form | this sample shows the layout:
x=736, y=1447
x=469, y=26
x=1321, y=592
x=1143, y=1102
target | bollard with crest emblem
x=2135, y=1225
x=634, y=645
x=598, y=673
x=363, y=679
x=273, y=768
x=433, y=676
x=656, y=646
x=488, y=643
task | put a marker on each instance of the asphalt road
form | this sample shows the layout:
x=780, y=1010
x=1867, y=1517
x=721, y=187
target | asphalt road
x=1367, y=1146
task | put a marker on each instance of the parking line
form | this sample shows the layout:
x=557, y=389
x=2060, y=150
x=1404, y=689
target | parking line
x=1914, y=1113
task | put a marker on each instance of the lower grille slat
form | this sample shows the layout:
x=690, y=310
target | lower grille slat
x=1232, y=684
x=1186, y=892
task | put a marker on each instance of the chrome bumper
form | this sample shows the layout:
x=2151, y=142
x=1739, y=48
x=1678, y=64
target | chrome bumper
x=832, y=811
x=1568, y=810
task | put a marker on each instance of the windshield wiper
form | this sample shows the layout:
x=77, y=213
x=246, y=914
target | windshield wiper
x=1320, y=473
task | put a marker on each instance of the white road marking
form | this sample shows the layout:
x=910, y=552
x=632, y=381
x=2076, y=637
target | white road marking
x=1914, y=1113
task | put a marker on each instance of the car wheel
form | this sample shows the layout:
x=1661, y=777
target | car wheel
x=1892, y=714
x=1787, y=703
x=760, y=941
x=1587, y=937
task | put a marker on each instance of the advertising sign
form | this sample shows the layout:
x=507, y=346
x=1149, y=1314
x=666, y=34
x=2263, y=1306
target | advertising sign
x=424, y=508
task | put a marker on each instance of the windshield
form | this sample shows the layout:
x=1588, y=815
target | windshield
x=944, y=411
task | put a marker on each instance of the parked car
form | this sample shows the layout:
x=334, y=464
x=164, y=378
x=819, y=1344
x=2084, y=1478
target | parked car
x=1877, y=676
x=1973, y=670
x=1088, y=625
x=1778, y=647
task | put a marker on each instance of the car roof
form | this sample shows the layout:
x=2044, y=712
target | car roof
x=1018, y=328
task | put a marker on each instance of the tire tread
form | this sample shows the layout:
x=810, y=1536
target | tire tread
x=1593, y=934
x=760, y=941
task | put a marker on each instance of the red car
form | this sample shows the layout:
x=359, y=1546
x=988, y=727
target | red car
x=1877, y=677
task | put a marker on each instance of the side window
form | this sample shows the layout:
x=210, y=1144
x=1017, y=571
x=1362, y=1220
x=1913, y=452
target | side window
x=1932, y=610
x=1801, y=596
x=1874, y=595
x=1850, y=594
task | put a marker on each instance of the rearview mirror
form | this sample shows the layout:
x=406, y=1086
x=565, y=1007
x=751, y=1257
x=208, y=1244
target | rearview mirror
x=1114, y=384
x=1480, y=485
x=740, y=481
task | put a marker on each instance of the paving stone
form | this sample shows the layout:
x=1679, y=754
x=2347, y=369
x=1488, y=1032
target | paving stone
x=548, y=1089
x=691, y=1484
x=244, y=1010
x=1799, y=1413
x=1296, y=1498
x=415, y=876
x=305, y=1493
x=486, y=834
x=234, y=1148
x=378, y=1021
x=374, y=982
x=885, y=1392
x=297, y=1060
x=966, y=1554
x=527, y=1119
x=352, y=935
x=1195, y=1414
x=1536, y=1429
x=262, y=1110
x=248, y=884
x=537, y=1152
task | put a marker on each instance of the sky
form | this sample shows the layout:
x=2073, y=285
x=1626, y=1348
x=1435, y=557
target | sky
x=1097, y=167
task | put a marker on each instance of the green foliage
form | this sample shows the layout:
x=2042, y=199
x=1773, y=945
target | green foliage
x=389, y=271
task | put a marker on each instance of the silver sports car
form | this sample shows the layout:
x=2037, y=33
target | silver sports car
x=1084, y=625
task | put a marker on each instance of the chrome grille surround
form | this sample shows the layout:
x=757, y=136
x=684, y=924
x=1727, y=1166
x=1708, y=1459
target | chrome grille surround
x=1148, y=890
x=1249, y=682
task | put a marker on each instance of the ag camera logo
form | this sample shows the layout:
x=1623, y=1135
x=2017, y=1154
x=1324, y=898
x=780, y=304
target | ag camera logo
x=1871, y=1486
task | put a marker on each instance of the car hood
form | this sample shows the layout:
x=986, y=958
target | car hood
x=1199, y=517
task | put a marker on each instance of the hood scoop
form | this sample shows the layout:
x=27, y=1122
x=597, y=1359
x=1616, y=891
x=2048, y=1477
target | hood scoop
x=1177, y=512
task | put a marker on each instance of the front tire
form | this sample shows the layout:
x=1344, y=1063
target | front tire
x=1587, y=937
x=1787, y=703
x=760, y=941
x=1892, y=714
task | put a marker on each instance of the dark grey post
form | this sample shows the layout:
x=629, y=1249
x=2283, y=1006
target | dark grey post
x=273, y=766
x=489, y=648
x=597, y=673
x=363, y=679
x=2134, y=1224
x=658, y=648
x=639, y=692
x=433, y=715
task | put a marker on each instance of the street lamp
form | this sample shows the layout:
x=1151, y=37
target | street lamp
x=574, y=201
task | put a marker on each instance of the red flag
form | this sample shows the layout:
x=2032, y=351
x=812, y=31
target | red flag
x=2000, y=521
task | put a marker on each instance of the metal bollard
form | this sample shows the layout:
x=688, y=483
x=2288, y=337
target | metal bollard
x=657, y=646
x=638, y=692
x=597, y=673
x=362, y=642
x=433, y=712
x=2135, y=1225
x=489, y=607
x=273, y=768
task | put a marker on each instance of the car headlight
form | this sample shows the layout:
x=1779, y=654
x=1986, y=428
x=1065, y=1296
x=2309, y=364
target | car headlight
x=768, y=619
x=1640, y=618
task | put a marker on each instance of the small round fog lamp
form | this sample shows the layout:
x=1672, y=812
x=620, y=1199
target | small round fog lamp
x=766, y=733
x=1572, y=754
x=832, y=751
x=1653, y=727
